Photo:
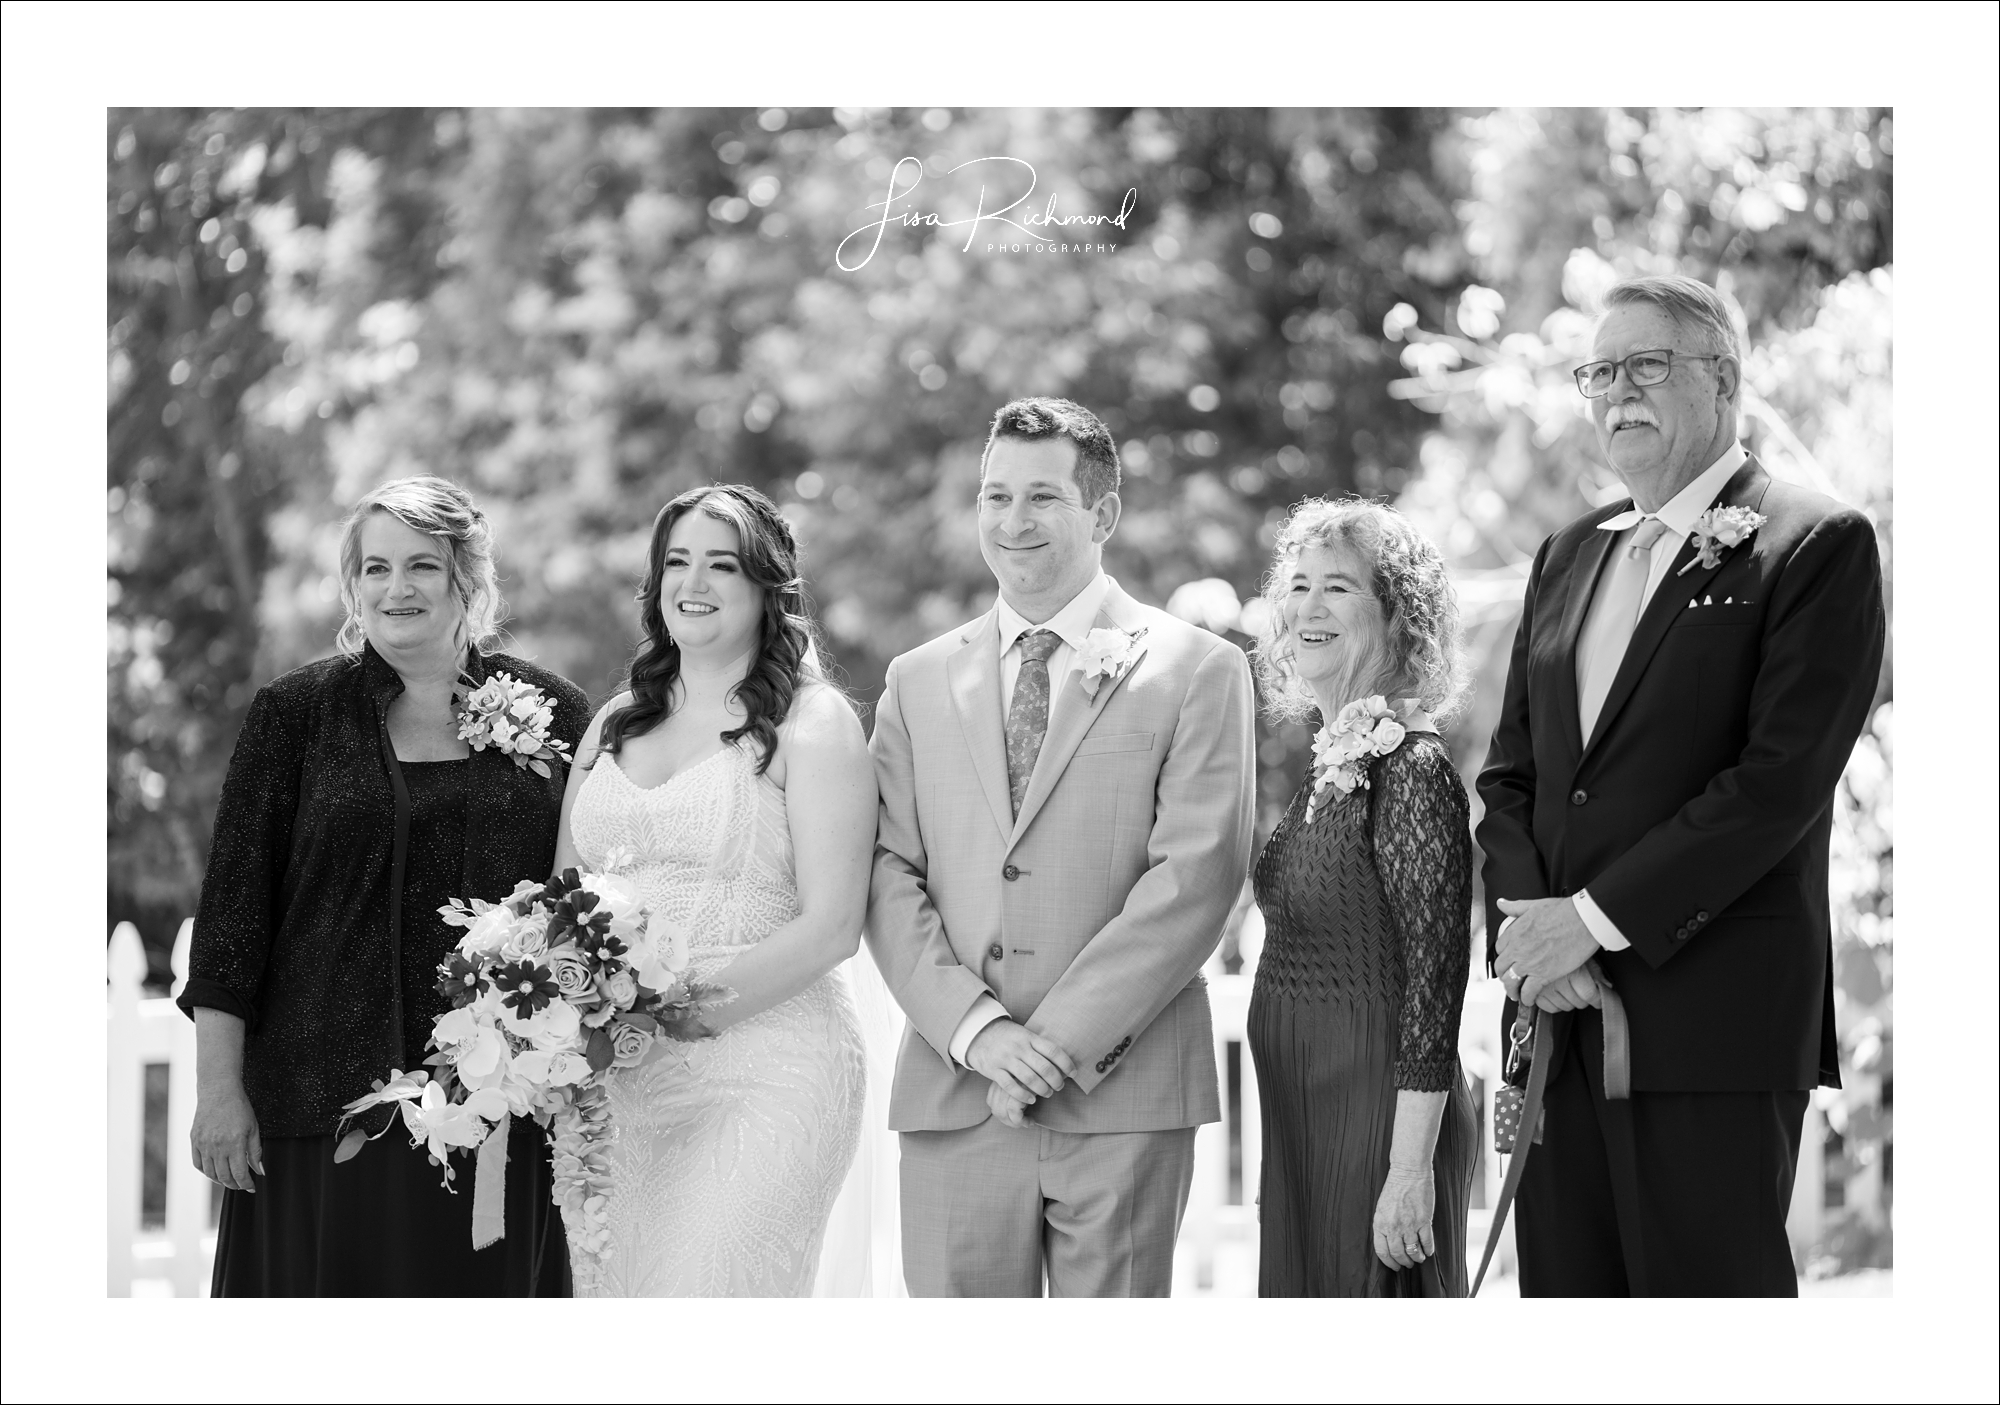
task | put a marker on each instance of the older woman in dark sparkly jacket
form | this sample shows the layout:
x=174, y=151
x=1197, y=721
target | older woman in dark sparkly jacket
x=351, y=812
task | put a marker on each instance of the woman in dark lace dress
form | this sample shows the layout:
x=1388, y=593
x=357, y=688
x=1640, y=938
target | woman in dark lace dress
x=351, y=812
x=1366, y=890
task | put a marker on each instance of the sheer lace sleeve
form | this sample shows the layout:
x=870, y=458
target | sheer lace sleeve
x=1423, y=850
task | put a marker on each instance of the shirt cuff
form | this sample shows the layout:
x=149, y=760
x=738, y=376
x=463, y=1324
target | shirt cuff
x=1601, y=927
x=984, y=1011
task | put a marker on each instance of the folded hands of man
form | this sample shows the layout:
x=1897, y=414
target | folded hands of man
x=1023, y=1067
x=1541, y=954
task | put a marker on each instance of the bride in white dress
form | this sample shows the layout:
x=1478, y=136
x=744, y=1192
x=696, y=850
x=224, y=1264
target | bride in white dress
x=743, y=785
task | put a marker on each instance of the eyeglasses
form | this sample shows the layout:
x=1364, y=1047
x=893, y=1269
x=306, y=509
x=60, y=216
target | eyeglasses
x=1595, y=378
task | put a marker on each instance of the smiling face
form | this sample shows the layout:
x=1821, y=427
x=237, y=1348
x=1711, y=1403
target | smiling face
x=1658, y=438
x=711, y=608
x=1040, y=540
x=1337, y=638
x=408, y=606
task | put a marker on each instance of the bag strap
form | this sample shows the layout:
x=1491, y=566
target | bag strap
x=1524, y=1138
x=1617, y=1045
x=1617, y=1085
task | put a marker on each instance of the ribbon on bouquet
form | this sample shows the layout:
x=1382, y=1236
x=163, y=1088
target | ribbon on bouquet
x=489, y=1186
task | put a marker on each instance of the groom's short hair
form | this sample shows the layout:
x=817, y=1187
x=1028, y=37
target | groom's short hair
x=1045, y=417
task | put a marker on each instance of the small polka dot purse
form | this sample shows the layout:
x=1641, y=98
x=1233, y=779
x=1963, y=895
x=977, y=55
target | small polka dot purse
x=1510, y=1101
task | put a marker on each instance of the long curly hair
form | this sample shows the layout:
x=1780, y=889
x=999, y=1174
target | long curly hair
x=787, y=654
x=1419, y=607
x=441, y=509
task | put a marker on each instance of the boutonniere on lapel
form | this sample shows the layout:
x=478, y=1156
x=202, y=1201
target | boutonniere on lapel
x=1365, y=728
x=1719, y=529
x=513, y=718
x=1105, y=656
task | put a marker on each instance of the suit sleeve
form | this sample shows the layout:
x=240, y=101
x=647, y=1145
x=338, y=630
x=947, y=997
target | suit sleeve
x=237, y=917
x=1197, y=855
x=1822, y=655
x=1513, y=865
x=905, y=934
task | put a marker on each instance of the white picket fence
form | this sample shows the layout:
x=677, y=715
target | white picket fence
x=147, y=1031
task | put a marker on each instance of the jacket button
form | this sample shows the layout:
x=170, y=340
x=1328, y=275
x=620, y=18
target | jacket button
x=1577, y=797
x=1010, y=873
x=1100, y=1065
x=1701, y=917
x=995, y=951
x=1681, y=935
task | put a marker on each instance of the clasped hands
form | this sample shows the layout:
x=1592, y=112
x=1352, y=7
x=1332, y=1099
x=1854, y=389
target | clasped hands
x=1542, y=955
x=1023, y=1066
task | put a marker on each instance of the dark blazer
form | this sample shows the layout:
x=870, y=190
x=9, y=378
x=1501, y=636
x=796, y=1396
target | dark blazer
x=1698, y=815
x=300, y=928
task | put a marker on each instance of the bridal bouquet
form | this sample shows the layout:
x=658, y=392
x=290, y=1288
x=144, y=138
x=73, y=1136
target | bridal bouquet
x=552, y=991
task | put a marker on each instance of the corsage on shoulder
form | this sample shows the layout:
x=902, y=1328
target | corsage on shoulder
x=1365, y=728
x=514, y=718
x=1719, y=529
x=1105, y=655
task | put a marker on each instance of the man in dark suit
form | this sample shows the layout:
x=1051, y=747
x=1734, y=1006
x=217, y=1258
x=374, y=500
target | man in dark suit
x=1681, y=700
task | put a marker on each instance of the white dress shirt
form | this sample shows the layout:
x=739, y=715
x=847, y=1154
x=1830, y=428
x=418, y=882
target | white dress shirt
x=1072, y=624
x=1677, y=516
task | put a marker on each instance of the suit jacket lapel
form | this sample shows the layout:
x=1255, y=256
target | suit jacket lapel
x=973, y=674
x=1583, y=577
x=1074, y=711
x=1745, y=488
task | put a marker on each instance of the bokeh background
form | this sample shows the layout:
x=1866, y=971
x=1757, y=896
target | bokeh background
x=578, y=314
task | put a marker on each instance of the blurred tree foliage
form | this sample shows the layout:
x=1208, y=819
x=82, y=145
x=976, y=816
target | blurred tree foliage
x=578, y=314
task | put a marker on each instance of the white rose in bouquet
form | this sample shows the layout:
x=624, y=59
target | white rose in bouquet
x=554, y=1027
x=621, y=988
x=574, y=980
x=529, y=939
x=617, y=899
x=629, y=1045
x=490, y=931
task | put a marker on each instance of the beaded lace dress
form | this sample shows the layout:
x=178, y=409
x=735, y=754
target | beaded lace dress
x=730, y=1151
x=1358, y=993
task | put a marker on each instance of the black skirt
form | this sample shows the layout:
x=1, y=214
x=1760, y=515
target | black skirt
x=383, y=1225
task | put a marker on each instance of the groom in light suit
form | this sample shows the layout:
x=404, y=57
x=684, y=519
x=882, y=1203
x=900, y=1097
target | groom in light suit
x=1066, y=819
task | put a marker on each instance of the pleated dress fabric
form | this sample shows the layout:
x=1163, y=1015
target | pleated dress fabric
x=383, y=1224
x=1358, y=994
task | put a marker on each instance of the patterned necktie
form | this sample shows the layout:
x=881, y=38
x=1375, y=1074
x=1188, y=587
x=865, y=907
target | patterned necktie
x=1028, y=714
x=1614, y=614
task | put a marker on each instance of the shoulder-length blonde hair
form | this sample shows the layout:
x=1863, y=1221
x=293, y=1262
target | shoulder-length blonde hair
x=440, y=509
x=1419, y=606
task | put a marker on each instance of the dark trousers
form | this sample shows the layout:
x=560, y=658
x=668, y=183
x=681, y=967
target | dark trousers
x=1658, y=1195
